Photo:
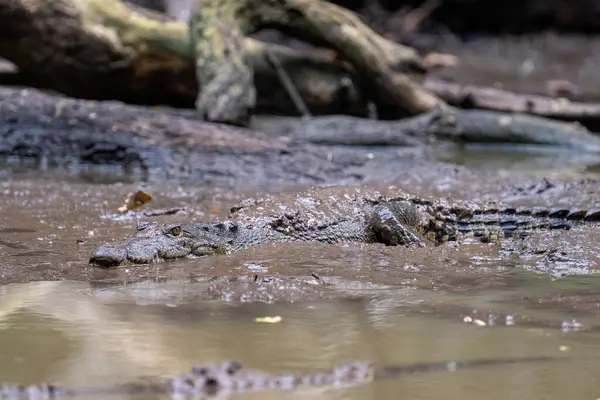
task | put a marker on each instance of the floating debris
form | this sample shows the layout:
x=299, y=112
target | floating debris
x=469, y=320
x=135, y=200
x=163, y=211
x=256, y=267
x=269, y=320
x=573, y=325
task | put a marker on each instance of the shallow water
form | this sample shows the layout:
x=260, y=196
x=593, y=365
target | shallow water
x=64, y=321
x=68, y=332
x=532, y=159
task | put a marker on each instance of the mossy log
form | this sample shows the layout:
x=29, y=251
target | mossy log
x=224, y=74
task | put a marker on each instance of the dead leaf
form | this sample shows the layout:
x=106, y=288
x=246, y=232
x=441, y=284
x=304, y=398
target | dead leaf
x=135, y=200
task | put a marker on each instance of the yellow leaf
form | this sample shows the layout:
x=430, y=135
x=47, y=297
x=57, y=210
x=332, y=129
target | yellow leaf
x=269, y=320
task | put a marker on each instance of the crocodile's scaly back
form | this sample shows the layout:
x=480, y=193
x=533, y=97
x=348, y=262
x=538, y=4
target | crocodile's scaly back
x=347, y=210
x=494, y=223
x=319, y=214
x=313, y=209
x=338, y=215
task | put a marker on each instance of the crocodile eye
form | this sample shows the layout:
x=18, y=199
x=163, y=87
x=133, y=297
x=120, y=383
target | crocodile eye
x=175, y=231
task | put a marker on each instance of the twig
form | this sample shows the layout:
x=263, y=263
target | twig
x=415, y=17
x=287, y=83
x=163, y=211
x=372, y=110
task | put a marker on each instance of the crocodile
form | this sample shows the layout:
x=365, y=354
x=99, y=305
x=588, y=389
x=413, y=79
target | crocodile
x=231, y=377
x=342, y=214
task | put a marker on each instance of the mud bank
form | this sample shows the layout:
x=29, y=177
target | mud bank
x=158, y=144
x=171, y=144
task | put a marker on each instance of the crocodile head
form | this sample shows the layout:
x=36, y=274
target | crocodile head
x=155, y=242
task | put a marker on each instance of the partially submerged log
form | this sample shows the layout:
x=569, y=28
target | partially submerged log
x=443, y=124
x=153, y=144
x=171, y=144
x=486, y=98
x=479, y=126
x=158, y=144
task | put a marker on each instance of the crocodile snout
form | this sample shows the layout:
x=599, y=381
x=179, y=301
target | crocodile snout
x=107, y=255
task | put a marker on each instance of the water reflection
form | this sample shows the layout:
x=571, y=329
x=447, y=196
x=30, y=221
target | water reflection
x=78, y=335
x=534, y=160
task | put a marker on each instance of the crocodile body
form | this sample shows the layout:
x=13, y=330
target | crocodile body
x=336, y=215
x=230, y=377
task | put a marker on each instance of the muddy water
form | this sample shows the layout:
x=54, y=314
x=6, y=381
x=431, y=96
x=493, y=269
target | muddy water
x=538, y=160
x=64, y=321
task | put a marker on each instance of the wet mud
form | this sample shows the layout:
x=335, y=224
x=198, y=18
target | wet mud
x=49, y=229
x=60, y=315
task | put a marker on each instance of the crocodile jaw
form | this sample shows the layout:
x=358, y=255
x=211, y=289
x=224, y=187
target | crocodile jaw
x=149, y=250
x=107, y=255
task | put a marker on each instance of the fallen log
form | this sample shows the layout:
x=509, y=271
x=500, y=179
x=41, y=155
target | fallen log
x=379, y=62
x=444, y=124
x=104, y=49
x=470, y=97
x=480, y=126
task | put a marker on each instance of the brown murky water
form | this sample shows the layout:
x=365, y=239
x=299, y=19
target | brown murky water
x=64, y=321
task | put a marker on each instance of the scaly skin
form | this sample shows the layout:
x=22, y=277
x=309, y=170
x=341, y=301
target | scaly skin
x=336, y=215
x=230, y=377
